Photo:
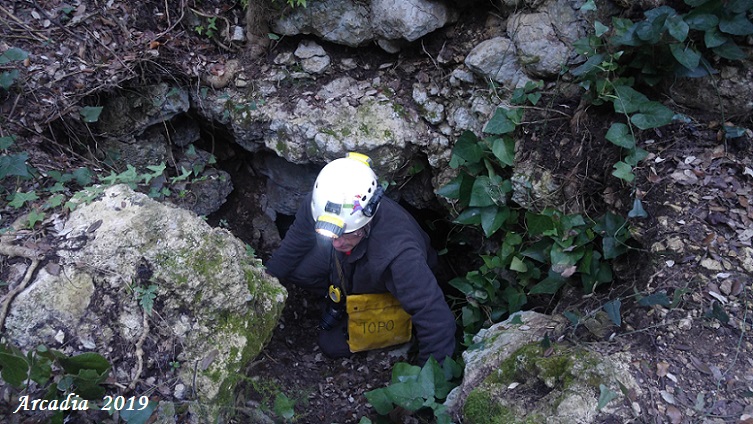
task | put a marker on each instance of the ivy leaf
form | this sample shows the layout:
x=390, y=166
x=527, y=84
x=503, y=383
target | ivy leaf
x=605, y=396
x=655, y=299
x=14, y=165
x=612, y=309
x=637, y=211
x=20, y=198
x=589, y=5
x=737, y=25
x=714, y=38
x=517, y=265
x=91, y=113
x=466, y=149
x=492, y=218
x=623, y=171
x=14, y=368
x=628, y=99
x=549, y=285
x=653, y=115
x=83, y=176
x=504, y=150
x=139, y=416
x=731, y=51
x=701, y=21
x=481, y=192
x=677, y=28
x=34, y=217
x=85, y=361
x=620, y=135
x=685, y=55
x=7, y=78
x=470, y=216
x=6, y=141
x=635, y=156
x=502, y=122
x=380, y=401
x=13, y=54
x=284, y=406
x=589, y=65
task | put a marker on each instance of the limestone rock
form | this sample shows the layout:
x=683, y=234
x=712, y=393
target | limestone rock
x=214, y=309
x=496, y=59
x=512, y=378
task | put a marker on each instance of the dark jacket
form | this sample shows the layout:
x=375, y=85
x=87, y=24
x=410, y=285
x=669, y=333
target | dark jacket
x=395, y=256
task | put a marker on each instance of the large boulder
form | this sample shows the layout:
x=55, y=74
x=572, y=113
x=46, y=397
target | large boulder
x=353, y=23
x=520, y=375
x=213, y=310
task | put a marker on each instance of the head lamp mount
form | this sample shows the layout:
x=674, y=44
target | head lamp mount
x=330, y=226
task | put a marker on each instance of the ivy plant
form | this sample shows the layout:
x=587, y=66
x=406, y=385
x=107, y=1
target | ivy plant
x=664, y=44
x=418, y=388
x=539, y=251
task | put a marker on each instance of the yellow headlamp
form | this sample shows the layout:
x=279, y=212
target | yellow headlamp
x=330, y=226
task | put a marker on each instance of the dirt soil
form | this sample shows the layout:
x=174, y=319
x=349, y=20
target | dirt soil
x=693, y=358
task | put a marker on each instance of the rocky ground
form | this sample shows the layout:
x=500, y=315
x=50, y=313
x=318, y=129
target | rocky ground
x=693, y=354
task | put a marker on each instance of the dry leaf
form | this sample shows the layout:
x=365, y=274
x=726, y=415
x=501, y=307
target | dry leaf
x=662, y=368
x=700, y=366
x=668, y=397
x=674, y=415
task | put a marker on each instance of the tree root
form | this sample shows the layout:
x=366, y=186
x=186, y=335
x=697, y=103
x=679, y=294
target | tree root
x=140, y=353
x=15, y=251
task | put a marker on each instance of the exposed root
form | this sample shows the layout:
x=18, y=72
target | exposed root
x=140, y=352
x=18, y=288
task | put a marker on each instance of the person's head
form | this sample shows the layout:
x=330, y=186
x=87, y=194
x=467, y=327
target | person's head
x=345, y=198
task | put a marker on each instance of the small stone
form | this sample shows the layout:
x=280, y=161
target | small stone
x=712, y=265
x=180, y=391
x=675, y=244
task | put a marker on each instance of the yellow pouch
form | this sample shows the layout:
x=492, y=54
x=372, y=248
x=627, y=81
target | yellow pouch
x=375, y=321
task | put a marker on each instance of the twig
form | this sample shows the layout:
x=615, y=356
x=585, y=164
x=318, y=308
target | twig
x=140, y=352
x=41, y=38
x=56, y=22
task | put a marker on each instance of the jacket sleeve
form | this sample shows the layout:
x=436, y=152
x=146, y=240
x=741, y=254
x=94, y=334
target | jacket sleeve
x=297, y=243
x=420, y=295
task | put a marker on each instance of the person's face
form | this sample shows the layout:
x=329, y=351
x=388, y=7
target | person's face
x=346, y=242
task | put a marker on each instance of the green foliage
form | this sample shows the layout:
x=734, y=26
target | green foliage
x=665, y=43
x=82, y=374
x=56, y=186
x=284, y=406
x=539, y=252
x=414, y=388
x=145, y=296
x=7, y=78
x=60, y=375
x=91, y=114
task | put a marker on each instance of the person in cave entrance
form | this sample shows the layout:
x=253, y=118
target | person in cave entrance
x=349, y=239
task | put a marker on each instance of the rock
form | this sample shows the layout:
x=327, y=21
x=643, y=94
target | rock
x=538, y=49
x=496, y=59
x=408, y=19
x=314, y=60
x=352, y=23
x=343, y=22
x=216, y=306
x=729, y=91
x=513, y=379
x=128, y=113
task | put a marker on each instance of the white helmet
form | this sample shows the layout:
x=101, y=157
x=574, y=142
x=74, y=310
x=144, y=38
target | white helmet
x=346, y=195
